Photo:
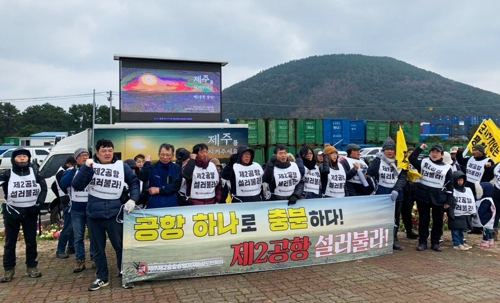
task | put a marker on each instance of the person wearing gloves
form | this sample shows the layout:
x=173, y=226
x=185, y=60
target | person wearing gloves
x=164, y=178
x=390, y=179
x=310, y=173
x=461, y=212
x=333, y=175
x=106, y=177
x=433, y=192
x=283, y=177
x=203, y=184
x=78, y=209
x=244, y=176
x=356, y=184
x=479, y=168
x=25, y=191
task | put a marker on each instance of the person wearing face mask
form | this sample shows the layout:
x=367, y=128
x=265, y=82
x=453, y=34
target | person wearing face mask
x=390, y=179
x=433, y=192
x=310, y=171
x=244, y=176
x=203, y=184
x=25, y=191
x=333, y=175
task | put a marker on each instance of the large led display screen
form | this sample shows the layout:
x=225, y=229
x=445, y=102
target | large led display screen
x=169, y=90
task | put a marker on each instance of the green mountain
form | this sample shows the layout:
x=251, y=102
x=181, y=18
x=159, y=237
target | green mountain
x=354, y=87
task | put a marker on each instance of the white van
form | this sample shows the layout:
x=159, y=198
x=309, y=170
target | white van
x=38, y=154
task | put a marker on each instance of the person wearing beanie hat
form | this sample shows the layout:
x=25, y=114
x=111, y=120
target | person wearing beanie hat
x=389, y=144
x=80, y=151
x=391, y=180
x=78, y=210
x=433, y=193
x=310, y=172
x=21, y=208
x=333, y=176
x=243, y=176
x=478, y=167
x=356, y=184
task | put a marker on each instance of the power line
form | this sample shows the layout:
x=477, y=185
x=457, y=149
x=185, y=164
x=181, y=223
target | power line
x=41, y=99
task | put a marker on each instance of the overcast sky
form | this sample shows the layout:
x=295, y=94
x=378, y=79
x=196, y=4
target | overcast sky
x=59, y=48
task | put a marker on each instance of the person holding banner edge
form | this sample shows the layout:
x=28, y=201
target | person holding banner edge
x=105, y=177
x=390, y=179
x=433, y=192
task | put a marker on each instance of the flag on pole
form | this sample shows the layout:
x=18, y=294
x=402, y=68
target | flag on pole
x=487, y=134
x=401, y=149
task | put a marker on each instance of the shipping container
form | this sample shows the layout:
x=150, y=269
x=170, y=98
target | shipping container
x=309, y=132
x=12, y=140
x=259, y=154
x=256, y=130
x=455, y=120
x=280, y=131
x=336, y=131
x=357, y=131
x=433, y=129
x=443, y=129
x=425, y=128
x=411, y=130
x=377, y=131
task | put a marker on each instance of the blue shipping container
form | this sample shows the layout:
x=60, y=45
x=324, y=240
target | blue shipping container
x=433, y=129
x=357, y=133
x=443, y=129
x=426, y=128
x=336, y=131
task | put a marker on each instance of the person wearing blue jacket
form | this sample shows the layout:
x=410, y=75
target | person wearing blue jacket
x=78, y=209
x=106, y=176
x=164, y=179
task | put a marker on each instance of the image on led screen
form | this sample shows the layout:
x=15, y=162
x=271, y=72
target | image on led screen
x=170, y=91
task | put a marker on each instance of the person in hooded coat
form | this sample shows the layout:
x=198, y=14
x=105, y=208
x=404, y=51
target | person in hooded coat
x=181, y=158
x=310, y=173
x=461, y=212
x=25, y=191
x=390, y=179
x=244, y=177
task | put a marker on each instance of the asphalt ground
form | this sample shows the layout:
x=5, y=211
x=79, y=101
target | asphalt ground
x=404, y=276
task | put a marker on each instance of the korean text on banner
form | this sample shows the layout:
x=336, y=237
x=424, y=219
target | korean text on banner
x=208, y=240
x=487, y=134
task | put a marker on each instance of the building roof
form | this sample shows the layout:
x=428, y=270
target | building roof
x=49, y=134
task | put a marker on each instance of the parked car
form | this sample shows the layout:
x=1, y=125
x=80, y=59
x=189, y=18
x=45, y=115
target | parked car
x=38, y=154
x=369, y=153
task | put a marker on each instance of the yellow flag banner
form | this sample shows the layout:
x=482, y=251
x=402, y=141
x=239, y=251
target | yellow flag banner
x=487, y=134
x=401, y=149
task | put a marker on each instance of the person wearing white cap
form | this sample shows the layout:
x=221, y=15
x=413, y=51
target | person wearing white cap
x=453, y=154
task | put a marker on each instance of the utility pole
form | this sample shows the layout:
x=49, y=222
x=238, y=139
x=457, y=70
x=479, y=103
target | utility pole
x=110, y=99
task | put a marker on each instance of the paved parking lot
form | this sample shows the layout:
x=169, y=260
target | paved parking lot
x=407, y=276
